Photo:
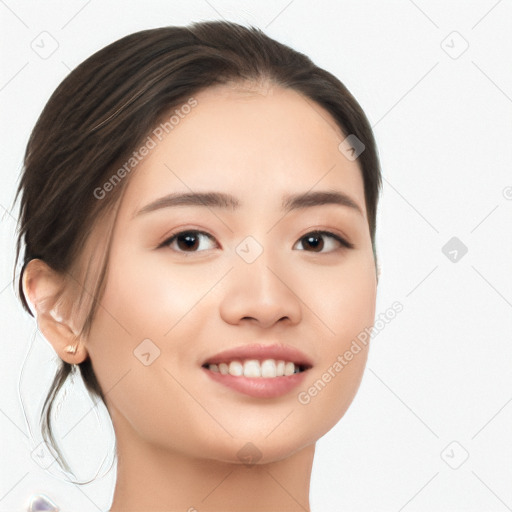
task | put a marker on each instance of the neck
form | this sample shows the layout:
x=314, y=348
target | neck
x=155, y=478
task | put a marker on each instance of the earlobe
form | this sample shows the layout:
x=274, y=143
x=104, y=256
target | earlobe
x=44, y=288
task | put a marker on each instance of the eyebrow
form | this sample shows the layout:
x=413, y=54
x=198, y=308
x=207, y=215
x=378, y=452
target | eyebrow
x=225, y=201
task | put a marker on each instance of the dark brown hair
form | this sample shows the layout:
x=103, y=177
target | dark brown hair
x=102, y=111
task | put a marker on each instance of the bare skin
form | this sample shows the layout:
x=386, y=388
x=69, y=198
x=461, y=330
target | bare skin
x=178, y=433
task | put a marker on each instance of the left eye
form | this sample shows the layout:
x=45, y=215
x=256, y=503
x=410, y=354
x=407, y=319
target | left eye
x=187, y=241
x=315, y=240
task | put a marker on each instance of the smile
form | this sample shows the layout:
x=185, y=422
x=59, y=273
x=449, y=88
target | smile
x=250, y=377
x=268, y=368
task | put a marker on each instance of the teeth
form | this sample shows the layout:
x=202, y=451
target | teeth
x=289, y=368
x=251, y=368
x=236, y=368
x=268, y=368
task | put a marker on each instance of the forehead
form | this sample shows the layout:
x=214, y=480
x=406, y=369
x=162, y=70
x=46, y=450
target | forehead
x=253, y=143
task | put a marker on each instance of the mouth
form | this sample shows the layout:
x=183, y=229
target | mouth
x=259, y=361
x=257, y=368
x=260, y=371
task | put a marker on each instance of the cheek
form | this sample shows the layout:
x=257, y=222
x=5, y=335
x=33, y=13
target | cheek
x=344, y=300
x=342, y=297
x=150, y=295
x=138, y=306
x=147, y=301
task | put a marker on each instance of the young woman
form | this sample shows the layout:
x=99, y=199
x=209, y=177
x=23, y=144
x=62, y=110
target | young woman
x=198, y=212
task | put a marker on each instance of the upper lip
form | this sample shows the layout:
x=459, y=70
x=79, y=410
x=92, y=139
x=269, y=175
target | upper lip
x=261, y=352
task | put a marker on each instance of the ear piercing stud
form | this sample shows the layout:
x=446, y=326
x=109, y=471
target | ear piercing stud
x=71, y=349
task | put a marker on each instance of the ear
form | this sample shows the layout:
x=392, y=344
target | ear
x=44, y=290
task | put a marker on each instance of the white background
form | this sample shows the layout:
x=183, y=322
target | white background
x=441, y=371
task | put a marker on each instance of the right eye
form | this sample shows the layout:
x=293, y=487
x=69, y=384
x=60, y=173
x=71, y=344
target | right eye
x=186, y=241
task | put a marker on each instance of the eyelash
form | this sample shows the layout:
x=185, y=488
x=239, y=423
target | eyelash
x=344, y=243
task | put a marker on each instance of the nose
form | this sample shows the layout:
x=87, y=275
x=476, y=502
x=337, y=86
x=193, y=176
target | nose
x=260, y=293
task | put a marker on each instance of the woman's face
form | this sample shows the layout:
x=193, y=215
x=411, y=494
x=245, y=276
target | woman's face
x=253, y=277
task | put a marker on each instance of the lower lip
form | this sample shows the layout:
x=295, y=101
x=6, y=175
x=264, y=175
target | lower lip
x=258, y=387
